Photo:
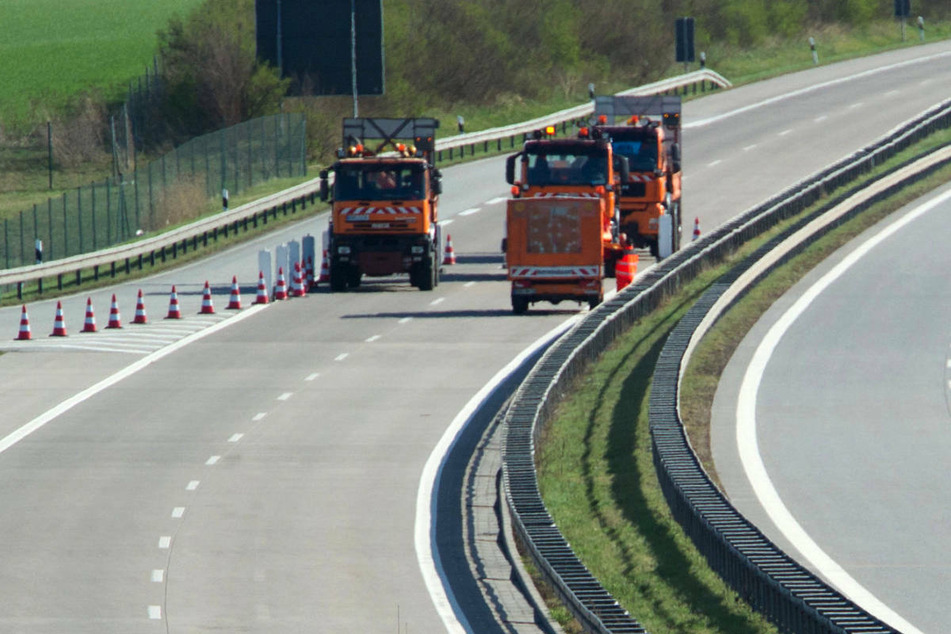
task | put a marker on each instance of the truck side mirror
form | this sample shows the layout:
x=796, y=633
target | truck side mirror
x=324, y=186
x=624, y=167
x=437, y=184
x=510, y=168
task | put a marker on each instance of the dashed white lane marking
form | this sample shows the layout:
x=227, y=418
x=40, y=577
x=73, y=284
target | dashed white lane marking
x=821, y=118
x=259, y=416
x=749, y=147
x=178, y=512
x=857, y=104
x=785, y=132
x=892, y=93
x=469, y=212
x=155, y=612
x=468, y=284
x=158, y=576
x=748, y=445
x=445, y=222
x=285, y=396
x=714, y=163
x=193, y=485
x=212, y=461
x=372, y=339
x=405, y=320
x=437, y=301
x=311, y=377
x=236, y=438
x=342, y=356
x=165, y=542
x=496, y=201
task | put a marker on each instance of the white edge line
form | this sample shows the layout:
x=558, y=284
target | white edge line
x=715, y=118
x=432, y=472
x=749, y=447
x=40, y=421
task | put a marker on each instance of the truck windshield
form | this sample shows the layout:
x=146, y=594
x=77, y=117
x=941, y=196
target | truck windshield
x=566, y=168
x=642, y=157
x=379, y=182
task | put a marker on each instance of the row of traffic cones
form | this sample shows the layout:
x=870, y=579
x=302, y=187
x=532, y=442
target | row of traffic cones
x=141, y=317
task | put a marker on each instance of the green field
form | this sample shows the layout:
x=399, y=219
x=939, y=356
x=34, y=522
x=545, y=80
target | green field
x=52, y=49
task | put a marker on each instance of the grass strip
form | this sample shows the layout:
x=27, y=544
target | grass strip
x=595, y=466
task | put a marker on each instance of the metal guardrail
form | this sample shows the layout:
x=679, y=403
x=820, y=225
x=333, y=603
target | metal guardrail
x=694, y=81
x=812, y=607
x=170, y=243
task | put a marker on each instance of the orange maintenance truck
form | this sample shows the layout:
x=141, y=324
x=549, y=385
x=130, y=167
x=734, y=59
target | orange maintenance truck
x=646, y=130
x=384, y=212
x=562, y=222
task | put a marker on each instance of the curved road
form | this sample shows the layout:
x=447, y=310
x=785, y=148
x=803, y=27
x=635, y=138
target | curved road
x=261, y=473
x=852, y=419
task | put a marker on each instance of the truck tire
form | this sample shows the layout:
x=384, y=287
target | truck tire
x=519, y=305
x=354, y=277
x=338, y=278
x=427, y=275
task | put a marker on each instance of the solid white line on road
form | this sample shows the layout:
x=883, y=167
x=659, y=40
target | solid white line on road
x=814, y=87
x=212, y=461
x=428, y=483
x=748, y=445
x=192, y=485
x=40, y=421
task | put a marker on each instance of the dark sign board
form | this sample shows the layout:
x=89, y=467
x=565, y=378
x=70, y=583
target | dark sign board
x=310, y=41
x=684, y=32
x=902, y=8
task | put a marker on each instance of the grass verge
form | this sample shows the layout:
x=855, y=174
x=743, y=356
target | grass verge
x=595, y=466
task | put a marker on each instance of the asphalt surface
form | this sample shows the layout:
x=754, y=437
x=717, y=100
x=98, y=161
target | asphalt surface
x=261, y=473
x=853, y=421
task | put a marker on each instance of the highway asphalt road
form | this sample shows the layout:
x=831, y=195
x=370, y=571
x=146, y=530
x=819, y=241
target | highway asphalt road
x=852, y=419
x=261, y=474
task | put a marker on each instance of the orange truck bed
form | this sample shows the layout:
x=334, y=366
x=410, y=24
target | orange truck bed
x=554, y=250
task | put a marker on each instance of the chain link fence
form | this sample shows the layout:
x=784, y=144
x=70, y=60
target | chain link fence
x=166, y=192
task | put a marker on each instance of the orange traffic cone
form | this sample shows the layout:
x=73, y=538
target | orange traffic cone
x=324, y=269
x=309, y=274
x=450, y=257
x=261, y=297
x=114, y=320
x=59, y=324
x=696, y=228
x=90, y=324
x=207, y=308
x=280, y=292
x=174, y=311
x=626, y=268
x=297, y=283
x=25, y=333
x=234, y=303
x=140, y=316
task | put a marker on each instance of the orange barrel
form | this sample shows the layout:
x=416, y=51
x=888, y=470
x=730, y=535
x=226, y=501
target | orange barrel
x=626, y=269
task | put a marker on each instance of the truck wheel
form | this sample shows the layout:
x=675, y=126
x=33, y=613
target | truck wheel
x=338, y=279
x=519, y=305
x=354, y=277
x=427, y=276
